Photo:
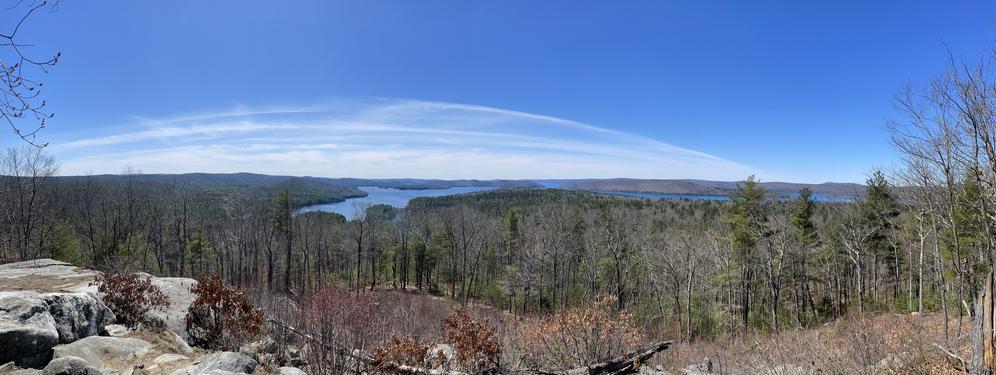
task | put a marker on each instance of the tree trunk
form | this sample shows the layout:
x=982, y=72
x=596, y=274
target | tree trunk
x=983, y=352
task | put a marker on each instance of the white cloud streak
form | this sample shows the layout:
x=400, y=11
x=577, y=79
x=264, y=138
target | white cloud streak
x=389, y=138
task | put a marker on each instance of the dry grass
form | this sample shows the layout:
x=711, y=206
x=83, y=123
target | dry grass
x=885, y=344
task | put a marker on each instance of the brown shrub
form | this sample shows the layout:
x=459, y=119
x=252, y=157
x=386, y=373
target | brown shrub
x=130, y=296
x=578, y=337
x=475, y=342
x=406, y=351
x=221, y=317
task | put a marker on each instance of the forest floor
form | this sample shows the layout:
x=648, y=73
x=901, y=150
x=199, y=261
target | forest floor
x=885, y=343
x=879, y=344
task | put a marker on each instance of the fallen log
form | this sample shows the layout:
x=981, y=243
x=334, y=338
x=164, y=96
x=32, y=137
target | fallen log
x=629, y=363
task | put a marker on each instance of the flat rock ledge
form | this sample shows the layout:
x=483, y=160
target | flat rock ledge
x=53, y=322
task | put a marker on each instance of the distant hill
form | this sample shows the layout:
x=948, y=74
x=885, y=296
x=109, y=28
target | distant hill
x=251, y=179
x=306, y=190
x=420, y=184
x=704, y=187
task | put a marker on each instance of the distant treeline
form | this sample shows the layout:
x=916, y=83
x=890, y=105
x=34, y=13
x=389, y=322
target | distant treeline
x=703, y=187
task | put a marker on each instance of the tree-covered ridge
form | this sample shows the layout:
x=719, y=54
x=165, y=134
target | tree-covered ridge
x=308, y=190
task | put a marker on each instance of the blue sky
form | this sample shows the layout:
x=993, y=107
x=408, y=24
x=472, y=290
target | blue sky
x=792, y=91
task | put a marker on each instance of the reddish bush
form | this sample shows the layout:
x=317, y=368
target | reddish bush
x=475, y=342
x=405, y=351
x=221, y=317
x=130, y=296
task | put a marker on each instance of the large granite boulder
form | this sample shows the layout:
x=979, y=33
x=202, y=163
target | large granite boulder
x=78, y=315
x=104, y=352
x=26, y=326
x=222, y=363
x=32, y=323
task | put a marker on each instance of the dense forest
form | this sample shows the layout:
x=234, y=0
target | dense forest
x=920, y=239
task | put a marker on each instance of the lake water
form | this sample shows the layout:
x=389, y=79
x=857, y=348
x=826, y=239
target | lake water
x=394, y=197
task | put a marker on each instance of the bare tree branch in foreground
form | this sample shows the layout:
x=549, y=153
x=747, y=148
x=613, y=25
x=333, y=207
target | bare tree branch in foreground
x=20, y=93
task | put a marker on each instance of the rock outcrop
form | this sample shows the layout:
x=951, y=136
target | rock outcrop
x=45, y=275
x=26, y=326
x=53, y=322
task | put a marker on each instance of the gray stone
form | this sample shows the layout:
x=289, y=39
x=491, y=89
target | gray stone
x=222, y=363
x=181, y=344
x=703, y=368
x=70, y=366
x=177, y=291
x=290, y=371
x=104, y=352
x=117, y=330
x=26, y=326
x=78, y=315
x=266, y=345
x=892, y=361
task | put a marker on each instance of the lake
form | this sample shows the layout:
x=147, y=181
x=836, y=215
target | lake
x=394, y=197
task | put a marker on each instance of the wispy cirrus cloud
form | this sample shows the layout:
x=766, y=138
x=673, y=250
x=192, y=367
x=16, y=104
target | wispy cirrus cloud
x=388, y=138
